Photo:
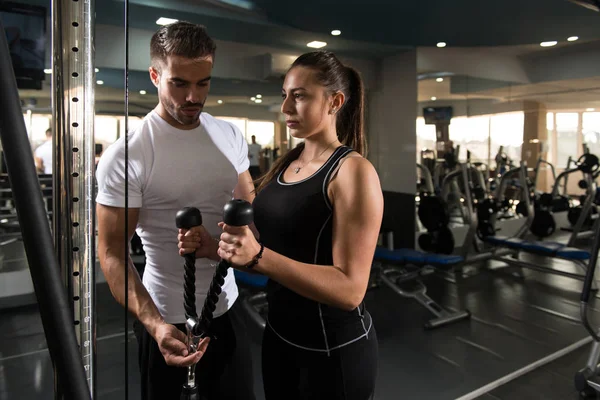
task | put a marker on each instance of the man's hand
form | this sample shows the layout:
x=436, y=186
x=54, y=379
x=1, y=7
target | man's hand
x=172, y=344
x=199, y=240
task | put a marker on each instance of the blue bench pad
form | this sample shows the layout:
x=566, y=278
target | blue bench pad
x=542, y=248
x=254, y=280
x=415, y=257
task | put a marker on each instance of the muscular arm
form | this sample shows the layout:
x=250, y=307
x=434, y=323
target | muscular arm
x=245, y=187
x=358, y=212
x=111, y=252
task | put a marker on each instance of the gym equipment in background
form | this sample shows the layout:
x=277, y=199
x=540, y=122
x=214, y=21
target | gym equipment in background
x=434, y=215
x=543, y=224
x=401, y=271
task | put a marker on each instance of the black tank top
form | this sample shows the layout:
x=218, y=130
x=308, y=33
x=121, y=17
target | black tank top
x=296, y=220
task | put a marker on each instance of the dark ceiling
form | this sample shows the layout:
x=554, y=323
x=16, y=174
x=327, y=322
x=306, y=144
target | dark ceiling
x=424, y=23
x=370, y=28
x=228, y=25
x=390, y=22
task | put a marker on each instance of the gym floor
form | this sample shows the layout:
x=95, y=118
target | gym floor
x=515, y=323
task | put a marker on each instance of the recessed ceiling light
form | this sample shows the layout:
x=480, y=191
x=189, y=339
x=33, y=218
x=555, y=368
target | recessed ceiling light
x=433, y=98
x=252, y=98
x=549, y=44
x=97, y=70
x=572, y=38
x=100, y=82
x=336, y=32
x=259, y=96
x=258, y=100
x=48, y=71
x=441, y=44
x=590, y=109
x=165, y=21
x=439, y=80
x=143, y=92
x=315, y=44
x=220, y=101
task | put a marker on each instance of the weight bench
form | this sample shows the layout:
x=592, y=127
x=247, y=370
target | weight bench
x=253, y=300
x=549, y=249
x=405, y=281
x=577, y=256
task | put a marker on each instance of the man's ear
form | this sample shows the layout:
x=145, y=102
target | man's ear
x=154, y=76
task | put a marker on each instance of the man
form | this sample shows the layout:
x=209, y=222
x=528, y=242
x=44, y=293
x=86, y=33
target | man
x=178, y=157
x=254, y=156
x=43, y=155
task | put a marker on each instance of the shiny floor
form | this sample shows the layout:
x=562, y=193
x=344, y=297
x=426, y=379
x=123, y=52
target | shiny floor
x=515, y=322
x=551, y=381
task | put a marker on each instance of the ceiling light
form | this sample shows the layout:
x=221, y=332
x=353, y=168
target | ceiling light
x=572, y=38
x=549, y=44
x=97, y=70
x=220, y=101
x=48, y=71
x=439, y=80
x=441, y=44
x=258, y=101
x=100, y=82
x=433, y=98
x=336, y=32
x=143, y=92
x=259, y=96
x=315, y=44
x=590, y=109
x=165, y=21
x=252, y=98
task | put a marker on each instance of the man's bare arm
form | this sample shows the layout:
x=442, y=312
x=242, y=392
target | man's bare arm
x=113, y=252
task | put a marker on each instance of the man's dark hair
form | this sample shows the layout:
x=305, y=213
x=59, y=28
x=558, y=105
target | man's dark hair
x=180, y=39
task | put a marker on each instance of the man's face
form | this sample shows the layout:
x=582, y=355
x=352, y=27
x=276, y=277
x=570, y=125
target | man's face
x=183, y=86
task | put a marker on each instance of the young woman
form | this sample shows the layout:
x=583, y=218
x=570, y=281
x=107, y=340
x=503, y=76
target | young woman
x=318, y=212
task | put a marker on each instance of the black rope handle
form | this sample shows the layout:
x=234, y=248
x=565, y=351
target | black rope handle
x=187, y=218
x=189, y=287
x=235, y=213
x=212, y=297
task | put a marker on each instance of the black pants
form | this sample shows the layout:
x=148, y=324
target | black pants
x=291, y=373
x=224, y=372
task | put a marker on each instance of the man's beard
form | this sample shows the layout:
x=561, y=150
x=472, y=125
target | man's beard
x=176, y=113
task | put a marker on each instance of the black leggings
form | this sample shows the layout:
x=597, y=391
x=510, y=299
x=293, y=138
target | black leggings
x=291, y=373
x=223, y=373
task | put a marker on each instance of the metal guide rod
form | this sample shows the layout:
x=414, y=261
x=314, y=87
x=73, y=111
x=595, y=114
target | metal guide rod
x=52, y=301
x=73, y=80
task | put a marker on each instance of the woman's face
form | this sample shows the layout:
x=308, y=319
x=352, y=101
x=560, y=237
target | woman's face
x=305, y=103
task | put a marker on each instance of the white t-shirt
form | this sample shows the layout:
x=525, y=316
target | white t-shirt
x=170, y=169
x=44, y=151
x=254, y=154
